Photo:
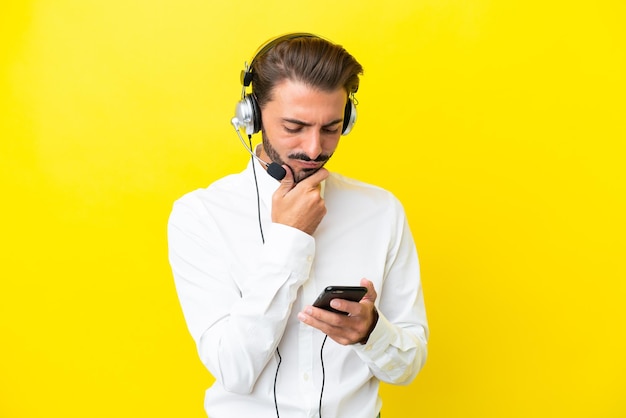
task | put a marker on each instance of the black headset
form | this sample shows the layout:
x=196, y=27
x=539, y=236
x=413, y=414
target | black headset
x=248, y=112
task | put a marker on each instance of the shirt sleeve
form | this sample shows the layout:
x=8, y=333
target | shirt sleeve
x=223, y=314
x=396, y=349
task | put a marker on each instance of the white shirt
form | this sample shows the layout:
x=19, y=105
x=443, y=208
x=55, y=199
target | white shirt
x=241, y=297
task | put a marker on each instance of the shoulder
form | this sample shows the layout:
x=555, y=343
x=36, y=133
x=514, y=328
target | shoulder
x=228, y=185
x=346, y=191
x=338, y=183
x=221, y=192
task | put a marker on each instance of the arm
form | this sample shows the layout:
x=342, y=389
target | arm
x=235, y=315
x=395, y=334
x=396, y=349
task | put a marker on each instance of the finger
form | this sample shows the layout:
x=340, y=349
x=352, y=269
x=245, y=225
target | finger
x=287, y=183
x=371, y=292
x=325, y=321
x=316, y=178
x=307, y=316
x=340, y=328
x=347, y=306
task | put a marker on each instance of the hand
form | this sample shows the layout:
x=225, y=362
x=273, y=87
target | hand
x=353, y=328
x=300, y=205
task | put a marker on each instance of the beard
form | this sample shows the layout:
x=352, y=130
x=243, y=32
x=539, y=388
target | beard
x=300, y=175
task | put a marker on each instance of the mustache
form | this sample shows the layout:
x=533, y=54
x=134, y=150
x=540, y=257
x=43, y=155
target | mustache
x=303, y=157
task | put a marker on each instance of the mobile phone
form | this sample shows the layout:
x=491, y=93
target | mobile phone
x=353, y=293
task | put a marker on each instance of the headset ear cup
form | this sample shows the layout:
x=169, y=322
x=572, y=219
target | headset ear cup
x=248, y=114
x=349, y=117
x=256, y=113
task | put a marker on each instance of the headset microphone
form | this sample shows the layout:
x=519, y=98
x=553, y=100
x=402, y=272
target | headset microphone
x=273, y=169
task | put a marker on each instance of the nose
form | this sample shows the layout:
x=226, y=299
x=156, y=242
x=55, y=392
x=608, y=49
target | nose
x=312, y=143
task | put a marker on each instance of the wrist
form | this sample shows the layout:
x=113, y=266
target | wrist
x=372, y=326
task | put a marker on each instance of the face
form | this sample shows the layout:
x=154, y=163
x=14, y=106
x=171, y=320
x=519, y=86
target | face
x=302, y=126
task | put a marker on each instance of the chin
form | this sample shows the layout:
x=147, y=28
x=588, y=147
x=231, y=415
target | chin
x=304, y=173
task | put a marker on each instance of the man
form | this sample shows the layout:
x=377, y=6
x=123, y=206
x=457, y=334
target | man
x=250, y=254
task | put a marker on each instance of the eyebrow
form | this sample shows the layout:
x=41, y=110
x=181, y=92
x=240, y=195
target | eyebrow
x=302, y=123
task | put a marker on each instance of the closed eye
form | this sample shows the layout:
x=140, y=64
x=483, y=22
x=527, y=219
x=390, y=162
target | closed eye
x=292, y=130
x=333, y=127
x=295, y=126
x=329, y=131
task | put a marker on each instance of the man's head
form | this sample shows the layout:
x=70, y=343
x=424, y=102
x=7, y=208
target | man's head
x=302, y=87
x=308, y=59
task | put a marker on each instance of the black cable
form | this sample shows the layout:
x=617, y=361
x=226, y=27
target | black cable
x=323, y=374
x=275, y=379
x=258, y=197
x=258, y=207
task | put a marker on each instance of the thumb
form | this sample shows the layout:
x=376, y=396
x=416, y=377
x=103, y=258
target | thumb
x=371, y=292
x=287, y=183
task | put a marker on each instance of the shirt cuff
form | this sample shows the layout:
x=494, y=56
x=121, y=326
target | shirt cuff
x=289, y=249
x=379, y=339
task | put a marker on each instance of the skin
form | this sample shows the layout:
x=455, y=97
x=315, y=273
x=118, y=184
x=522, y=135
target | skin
x=302, y=126
x=301, y=130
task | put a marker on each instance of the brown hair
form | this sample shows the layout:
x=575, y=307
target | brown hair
x=311, y=60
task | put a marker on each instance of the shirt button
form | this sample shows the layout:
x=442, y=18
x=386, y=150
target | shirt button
x=305, y=376
x=309, y=258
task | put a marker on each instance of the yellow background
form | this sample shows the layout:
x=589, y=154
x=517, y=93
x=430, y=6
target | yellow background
x=499, y=124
